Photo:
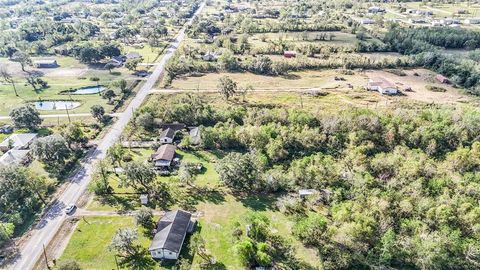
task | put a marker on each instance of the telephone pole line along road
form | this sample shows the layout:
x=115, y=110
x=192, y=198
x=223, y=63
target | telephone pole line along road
x=52, y=220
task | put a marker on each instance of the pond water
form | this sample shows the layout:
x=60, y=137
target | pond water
x=56, y=105
x=88, y=90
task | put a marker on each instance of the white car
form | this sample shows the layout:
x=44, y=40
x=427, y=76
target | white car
x=70, y=209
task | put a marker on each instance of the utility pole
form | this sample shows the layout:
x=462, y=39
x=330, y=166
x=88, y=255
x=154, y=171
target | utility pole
x=45, y=255
x=116, y=262
x=68, y=115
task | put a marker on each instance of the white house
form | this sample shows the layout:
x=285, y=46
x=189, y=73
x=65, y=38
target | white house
x=381, y=85
x=170, y=234
x=167, y=135
x=17, y=141
x=15, y=157
x=472, y=21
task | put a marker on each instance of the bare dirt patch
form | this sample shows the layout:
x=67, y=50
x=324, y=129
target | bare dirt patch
x=419, y=85
x=64, y=72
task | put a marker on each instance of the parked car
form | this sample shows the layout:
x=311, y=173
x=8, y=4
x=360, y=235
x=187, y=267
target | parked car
x=70, y=208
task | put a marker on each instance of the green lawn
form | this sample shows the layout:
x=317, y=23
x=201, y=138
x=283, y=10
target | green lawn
x=89, y=244
x=70, y=75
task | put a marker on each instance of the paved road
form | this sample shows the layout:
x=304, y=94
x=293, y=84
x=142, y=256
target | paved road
x=50, y=223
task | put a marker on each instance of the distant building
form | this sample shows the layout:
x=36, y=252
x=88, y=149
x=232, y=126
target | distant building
x=367, y=21
x=442, y=79
x=45, y=63
x=171, y=231
x=15, y=157
x=304, y=193
x=133, y=55
x=164, y=155
x=417, y=20
x=18, y=141
x=449, y=21
x=210, y=56
x=167, y=135
x=472, y=21
x=289, y=54
x=382, y=86
x=375, y=10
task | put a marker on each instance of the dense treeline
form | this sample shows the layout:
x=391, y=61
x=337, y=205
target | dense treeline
x=394, y=189
x=424, y=43
x=416, y=40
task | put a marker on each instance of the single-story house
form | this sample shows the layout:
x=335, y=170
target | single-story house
x=133, y=55
x=289, y=54
x=210, y=56
x=115, y=62
x=15, y=157
x=174, y=126
x=45, y=63
x=6, y=129
x=18, y=141
x=170, y=234
x=382, y=85
x=195, y=137
x=442, y=78
x=376, y=10
x=167, y=135
x=164, y=156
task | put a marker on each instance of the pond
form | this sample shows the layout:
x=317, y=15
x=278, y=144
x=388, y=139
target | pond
x=88, y=90
x=56, y=105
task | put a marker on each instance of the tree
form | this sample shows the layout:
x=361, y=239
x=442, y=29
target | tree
x=36, y=82
x=144, y=218
x=74, y=136
x=6, y=232
x=123, y=86
x=145, y=120
x=18, y=201
x=116, y=153
x=7, y=78
x=227, y=87
x=198, y=247
x=52, y=150
x=69, y=265
x=22, y=58
x=132, y=64
x=109, y=94
x=240, y=171
x=124, y=242
x=98, y=112
x=100, y=177
x=26, y=117
x=139, y=175
x=109, y=66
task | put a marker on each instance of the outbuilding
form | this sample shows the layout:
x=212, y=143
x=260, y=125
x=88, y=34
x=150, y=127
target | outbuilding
x=45, y=63
x=289, y=54
x=442, y=79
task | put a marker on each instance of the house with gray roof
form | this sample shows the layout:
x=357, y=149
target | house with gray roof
x=15, y=157
x=18, y=141
x=167, y=135
x=170, y=234
x=164, y=155
x=195, y=137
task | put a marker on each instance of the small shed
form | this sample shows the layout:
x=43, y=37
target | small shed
x=210, y=56
x=304, y=193
x=289, y=54
x=45, y=63
x=143, y=199
x=442, y=78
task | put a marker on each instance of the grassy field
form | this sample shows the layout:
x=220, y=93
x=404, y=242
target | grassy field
x=70, y=75
x=218, y=212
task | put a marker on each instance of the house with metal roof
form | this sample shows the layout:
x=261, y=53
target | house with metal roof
x=15, y=157
x=170, y=234
x=164, y=155
x=18, y=141
x=167, y=135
